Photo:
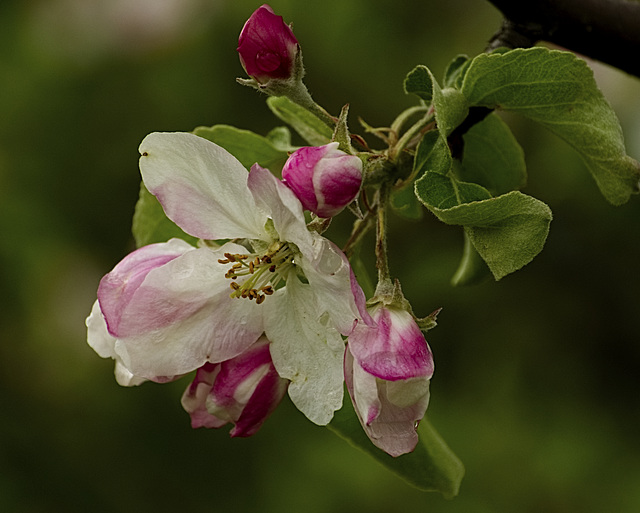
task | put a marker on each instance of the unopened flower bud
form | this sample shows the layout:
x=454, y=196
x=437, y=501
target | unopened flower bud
x=324, y=178
x=387, y=370
x=243, y=390
x=267, y=46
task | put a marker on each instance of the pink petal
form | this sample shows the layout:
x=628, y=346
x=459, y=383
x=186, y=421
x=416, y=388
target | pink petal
x=267, y=46
x=201, y=186
x=281, y=205
x=118, y=287
x=181, y=316
x=394, y=349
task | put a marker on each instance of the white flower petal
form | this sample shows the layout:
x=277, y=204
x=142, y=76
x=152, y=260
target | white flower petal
x=329, y=275
x=282, y=205
x=389, y=411
x=98, y=337
x=181, y=317
x=103, y=343
x=201, y=186
x=124, y=377
x=119, y=286
x=363, y=388
x=305, y=351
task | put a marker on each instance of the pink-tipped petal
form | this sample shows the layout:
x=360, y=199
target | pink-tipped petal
x=243, y=391
x=182, y=316
x=389, y=411
x=118, y=287
x=394, y=349
x=281, y=205
x=200, y=185
x=195, y=397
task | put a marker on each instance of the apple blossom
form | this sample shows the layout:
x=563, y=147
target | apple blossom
x=168, y=315
x=243, y=390
x=324, y=178
x=387, y=371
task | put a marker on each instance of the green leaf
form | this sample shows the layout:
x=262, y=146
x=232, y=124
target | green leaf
x=404, y=202
x=432, y=154
x=419, y=82
x=431, y=467
x=492, y=157
x=310, y=128
x=454, y=74
x=450, y=105
x=507, y=231
x=445, y=192
x=248, y=147
x=472, y=269
x=558, y=90
x=341, y=133
x=150, y=223
x=280, y=137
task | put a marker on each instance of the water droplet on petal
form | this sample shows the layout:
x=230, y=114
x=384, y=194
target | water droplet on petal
x=268, y=61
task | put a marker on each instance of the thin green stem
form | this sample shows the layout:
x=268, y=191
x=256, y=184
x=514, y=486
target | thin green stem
x=398, y=123
x=414, y=130
x=382, y=261
x=360, y=229
x=302, y=97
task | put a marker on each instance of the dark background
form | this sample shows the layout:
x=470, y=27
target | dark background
x=536, y=384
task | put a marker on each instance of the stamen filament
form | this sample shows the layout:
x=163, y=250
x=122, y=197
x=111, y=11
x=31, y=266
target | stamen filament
x=263, y=274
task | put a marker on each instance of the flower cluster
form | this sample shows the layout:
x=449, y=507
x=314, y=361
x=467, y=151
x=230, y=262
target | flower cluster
x=263, y=304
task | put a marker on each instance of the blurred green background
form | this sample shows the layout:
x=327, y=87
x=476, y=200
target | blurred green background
x=537, y=376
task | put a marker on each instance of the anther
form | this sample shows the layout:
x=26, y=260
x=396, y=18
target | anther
x=272, y=268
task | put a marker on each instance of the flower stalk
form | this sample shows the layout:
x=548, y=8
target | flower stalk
x=382, y=260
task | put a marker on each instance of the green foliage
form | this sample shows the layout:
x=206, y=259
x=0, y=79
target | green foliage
x=504, y=227
x=405, y=203
x=472, y=268
x=310, y=128
x=557, y=90
x=418, y=82
x=432, y=466
x=492, y=157
x=455, y=71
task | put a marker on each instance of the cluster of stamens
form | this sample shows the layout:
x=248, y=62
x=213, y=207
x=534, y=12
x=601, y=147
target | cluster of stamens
x=263, y=272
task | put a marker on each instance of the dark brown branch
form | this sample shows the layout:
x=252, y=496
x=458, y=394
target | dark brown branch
x=605, y=30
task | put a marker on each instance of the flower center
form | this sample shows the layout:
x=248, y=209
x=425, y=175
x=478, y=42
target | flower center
x=264, y=272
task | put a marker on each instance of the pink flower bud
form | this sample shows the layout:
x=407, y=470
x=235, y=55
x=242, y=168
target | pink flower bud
x=387, y=370
x=243, y=390
x=324, y=178
x=267, y=46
